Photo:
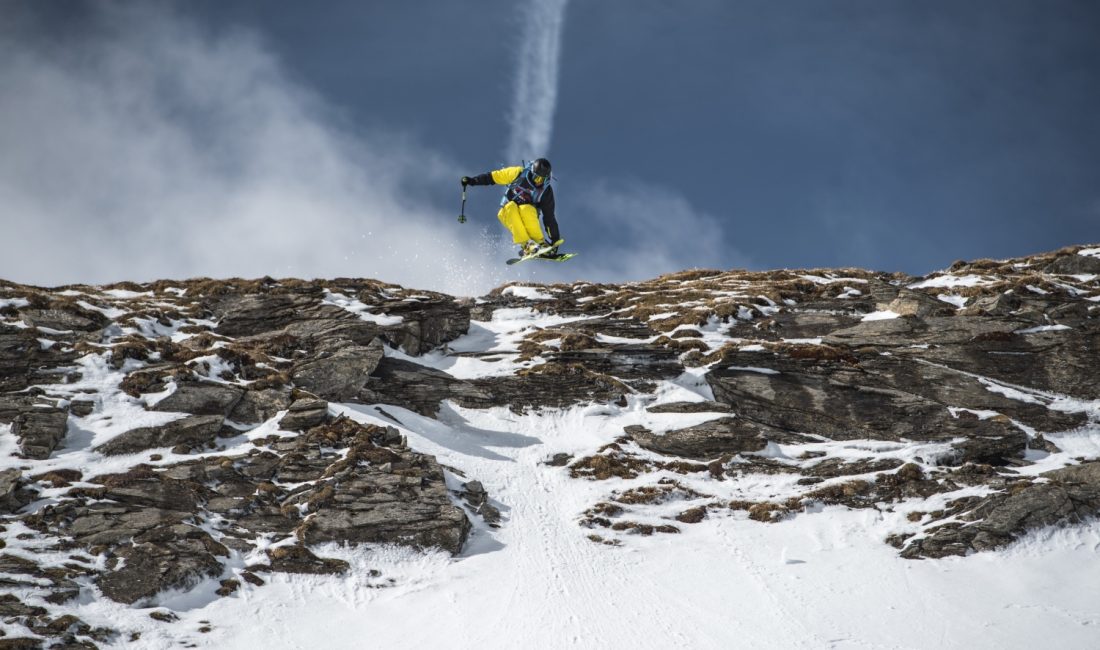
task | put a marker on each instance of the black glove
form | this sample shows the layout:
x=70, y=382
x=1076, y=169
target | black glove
x=465, y=181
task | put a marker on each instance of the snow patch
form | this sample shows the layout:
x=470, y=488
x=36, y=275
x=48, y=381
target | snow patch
x=123, y=294
x=355, y=306
x=662, y=316
x=950, y=281
x=109, y=312
x=763, y=371
x=1043, y=328
x=18, y=303
x=881, y=315
x=529, y=293
x=958, y=301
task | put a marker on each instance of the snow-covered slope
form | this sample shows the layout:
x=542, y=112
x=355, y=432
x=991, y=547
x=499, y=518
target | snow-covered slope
x=706, y=460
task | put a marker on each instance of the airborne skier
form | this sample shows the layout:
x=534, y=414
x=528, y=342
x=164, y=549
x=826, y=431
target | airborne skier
x=528, y=193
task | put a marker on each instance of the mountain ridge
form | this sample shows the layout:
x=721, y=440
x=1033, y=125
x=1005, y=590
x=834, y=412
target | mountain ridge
x=206, y=435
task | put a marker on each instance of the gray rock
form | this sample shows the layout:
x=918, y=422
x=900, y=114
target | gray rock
x=257, y=406
x=200, y=398
x=1072, y=495
x=1001, y=304
x=1074, y=265
x=635, y=361
x=340, y=376
x=426, y=323
x=12, y=495
x=560, y=459
x=960, y=389
x=252, y=314
x=419, y=388
x=550, y=385
x=40, y=430
x=193, y=431
x=798, y=325
x=176, y=557
x=707, y=440
x=156, y=491
x=690, y=407
x=627, y=328
x=842, y=401
x=11, y=605
x=16, y=351
x=307, y=404
x=412, y=508
x=103, y=522
x=302, y=420
x=82, y=407
x=915, y=303
x=72, y=317
x=299, y=559
x=1061, y=361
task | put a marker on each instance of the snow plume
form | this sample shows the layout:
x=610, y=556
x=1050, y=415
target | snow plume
x=641, y=231
x=151, y=147
x=536, y=92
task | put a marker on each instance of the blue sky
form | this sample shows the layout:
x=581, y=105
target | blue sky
x=878, y=133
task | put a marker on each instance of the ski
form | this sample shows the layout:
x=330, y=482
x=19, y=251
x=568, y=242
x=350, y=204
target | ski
x=539, y=251
x=559, y=258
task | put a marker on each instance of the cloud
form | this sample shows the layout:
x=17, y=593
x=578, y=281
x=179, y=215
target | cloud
x=536, y=90
x=644, y=230
x=150, y=147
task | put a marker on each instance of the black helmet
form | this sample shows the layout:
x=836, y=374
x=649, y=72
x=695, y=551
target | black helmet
x=541, y=167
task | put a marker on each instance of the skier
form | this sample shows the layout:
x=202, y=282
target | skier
x=528, y=193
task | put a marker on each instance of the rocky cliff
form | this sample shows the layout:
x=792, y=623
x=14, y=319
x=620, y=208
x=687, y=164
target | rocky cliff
x=205, y=435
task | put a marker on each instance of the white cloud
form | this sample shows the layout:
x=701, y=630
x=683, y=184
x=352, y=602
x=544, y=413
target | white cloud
x=648, y=230
x=156, y=149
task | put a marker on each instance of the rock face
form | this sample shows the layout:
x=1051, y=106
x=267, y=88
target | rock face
x=341, y=375
x=362, y=485
x=705, y=441
x=304, y=414
x=371, y=507
x=201, y=398
x=191, y=432
x=40, y=430
x=170, y=557
x=1072, y=495
x=740, y=394
x=847, y=400
x=12, y=495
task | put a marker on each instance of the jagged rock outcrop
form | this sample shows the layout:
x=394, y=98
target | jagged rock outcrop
x=1069, y=495
x=708, y=440
x=843, y=400
x=196, y=431
x=341, y=374
x=377, y=491
x=13, y=492
x=200, y=398
x=374, y=506
x=419, y=388
x=40, y=430
x=304, y=414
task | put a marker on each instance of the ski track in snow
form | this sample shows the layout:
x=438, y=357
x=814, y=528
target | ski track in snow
x=818, y=580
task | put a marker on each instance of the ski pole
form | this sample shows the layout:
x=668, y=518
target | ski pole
x=462, y=213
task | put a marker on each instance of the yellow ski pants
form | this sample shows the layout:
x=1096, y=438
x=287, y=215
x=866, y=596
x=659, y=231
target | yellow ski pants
x=522, y=221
